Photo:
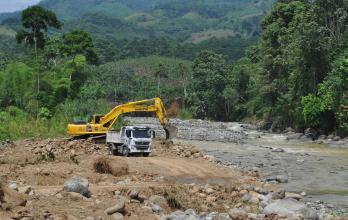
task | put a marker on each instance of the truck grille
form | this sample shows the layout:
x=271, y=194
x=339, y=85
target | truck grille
x=142, y=147
x=142, y=143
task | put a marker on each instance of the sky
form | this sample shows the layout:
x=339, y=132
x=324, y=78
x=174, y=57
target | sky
x=15, y=5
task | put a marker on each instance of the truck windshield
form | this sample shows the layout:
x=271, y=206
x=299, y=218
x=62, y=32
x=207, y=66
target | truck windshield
x=142, y=133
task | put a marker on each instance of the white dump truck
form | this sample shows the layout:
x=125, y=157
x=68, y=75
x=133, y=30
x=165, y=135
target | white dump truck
x=130, y=140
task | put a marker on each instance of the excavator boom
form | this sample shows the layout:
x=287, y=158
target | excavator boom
x=99, y=125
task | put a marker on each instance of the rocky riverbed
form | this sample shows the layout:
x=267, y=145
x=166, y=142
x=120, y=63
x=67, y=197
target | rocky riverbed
x=316, y=169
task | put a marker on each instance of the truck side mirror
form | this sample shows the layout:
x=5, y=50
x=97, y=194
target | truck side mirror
x=153, y=134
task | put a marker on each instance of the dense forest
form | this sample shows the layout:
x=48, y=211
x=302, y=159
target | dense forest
x=221, y=60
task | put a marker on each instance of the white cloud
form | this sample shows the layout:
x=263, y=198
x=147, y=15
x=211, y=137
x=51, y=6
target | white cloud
x=15, y=5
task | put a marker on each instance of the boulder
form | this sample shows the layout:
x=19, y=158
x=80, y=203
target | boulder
x=79, y=185
x=290, y=208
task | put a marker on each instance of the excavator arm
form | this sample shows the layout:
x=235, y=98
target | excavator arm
x=107, y=121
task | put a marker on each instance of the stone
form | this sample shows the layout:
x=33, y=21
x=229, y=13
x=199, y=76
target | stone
x=293, y=196
x=90, y=218
x=278, y=150
x=158, y=200
x=336, y=138
x=133, y=194
x=117, y=216
x=303, y=194
x=289, y=208
x=13, y=186
x=209, y=190
x=79, y=185
x=238, y=214
x=261, y=191
x=118, y=207
x=190, y=212
x=279, y=194
x=156, y=209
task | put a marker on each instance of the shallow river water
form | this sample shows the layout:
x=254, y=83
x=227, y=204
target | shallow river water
x=318, y=170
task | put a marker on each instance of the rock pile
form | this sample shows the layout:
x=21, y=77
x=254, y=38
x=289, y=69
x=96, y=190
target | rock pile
x=196, y=129
x=181, y=150
x=65, y=147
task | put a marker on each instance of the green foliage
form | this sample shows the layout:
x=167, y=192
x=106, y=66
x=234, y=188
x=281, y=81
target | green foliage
x=79, y=42
x=37, y=20
x=137, y=79
x=209, y=81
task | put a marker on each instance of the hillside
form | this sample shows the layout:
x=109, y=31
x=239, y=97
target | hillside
x=182, y=20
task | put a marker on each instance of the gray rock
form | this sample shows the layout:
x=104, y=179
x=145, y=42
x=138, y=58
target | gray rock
x=336, y=138
x=289, y=208
x=246, y=198
x=262, y=191
x=156, y=209
x=134, y=194
x=282, y=178
x=238, y=214
x=117, y=216
x=279, y=194
x=278, y=150
x=190, y=212
x=79, y=185
x=13, y=186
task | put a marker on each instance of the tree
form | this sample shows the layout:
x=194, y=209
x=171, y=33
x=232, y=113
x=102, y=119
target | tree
x=36, y=21
x=78, y=42
x=160, y=73
x=209, y=82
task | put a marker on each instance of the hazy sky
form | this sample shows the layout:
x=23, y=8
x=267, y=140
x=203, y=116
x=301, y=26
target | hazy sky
x=15, y=5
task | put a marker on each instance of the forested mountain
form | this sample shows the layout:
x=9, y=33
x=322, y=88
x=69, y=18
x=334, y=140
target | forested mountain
x=172, y=24
x=220, y=60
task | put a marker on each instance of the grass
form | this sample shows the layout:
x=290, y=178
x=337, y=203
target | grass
x=15, y=129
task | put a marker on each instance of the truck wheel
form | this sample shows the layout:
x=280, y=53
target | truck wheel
x=111, y=151
x=125, y=151
x=146, y=154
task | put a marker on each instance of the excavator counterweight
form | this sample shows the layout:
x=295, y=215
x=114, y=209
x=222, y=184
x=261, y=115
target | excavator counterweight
x=100, y=124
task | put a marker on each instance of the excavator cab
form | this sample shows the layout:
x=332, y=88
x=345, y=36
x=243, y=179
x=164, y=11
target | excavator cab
x=95, y=119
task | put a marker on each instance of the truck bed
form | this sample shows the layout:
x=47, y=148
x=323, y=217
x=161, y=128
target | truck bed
x=113, y=137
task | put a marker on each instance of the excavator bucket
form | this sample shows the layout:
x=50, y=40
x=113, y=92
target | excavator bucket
x=171, y=131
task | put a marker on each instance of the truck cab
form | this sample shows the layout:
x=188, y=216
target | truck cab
x=130, y=140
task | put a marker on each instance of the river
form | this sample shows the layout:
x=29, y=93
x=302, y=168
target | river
x=318, y=170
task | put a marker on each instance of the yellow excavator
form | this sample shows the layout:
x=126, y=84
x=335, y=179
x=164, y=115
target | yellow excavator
x=99, y=125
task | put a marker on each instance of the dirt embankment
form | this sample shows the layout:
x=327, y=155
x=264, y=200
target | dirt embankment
x=33, y=174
